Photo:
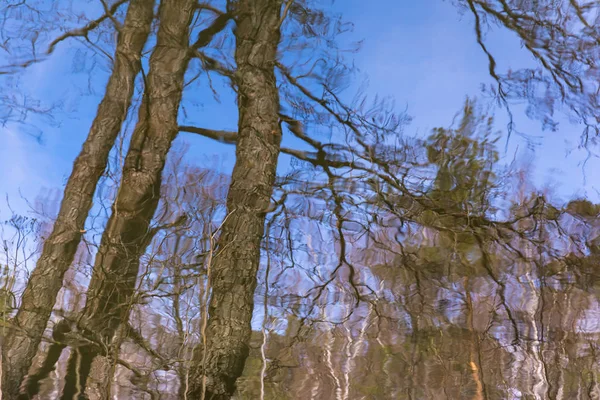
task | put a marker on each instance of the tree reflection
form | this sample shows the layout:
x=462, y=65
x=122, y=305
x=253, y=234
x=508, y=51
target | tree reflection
x=440, y=273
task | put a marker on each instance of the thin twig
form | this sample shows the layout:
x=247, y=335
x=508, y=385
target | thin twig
x=288, y=4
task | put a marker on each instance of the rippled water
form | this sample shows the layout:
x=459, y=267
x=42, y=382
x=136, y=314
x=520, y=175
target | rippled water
x=433, y=299
x=530, y=337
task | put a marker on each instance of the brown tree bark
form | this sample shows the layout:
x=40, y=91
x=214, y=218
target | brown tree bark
x=127, y=234
x=21, y=344
x=237, y=257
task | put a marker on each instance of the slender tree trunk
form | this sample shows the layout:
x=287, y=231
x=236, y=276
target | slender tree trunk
x=474, y=350
x=127, y=233
x=234, y=267
x=38, y=299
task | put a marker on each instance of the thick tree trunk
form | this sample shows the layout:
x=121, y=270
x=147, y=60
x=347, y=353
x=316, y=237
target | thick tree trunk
x=21, y=344
x=127, y=233
x=236, y=261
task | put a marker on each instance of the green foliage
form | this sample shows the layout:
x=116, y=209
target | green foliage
x=583, y=208
x=464, y=158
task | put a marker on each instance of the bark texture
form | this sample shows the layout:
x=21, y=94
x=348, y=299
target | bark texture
x=236, y=261
x=21, y=344
x=128, y=232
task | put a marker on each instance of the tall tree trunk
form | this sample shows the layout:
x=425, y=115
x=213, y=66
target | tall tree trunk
x=21, y=344
x=234, y=268
x=127, y=233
